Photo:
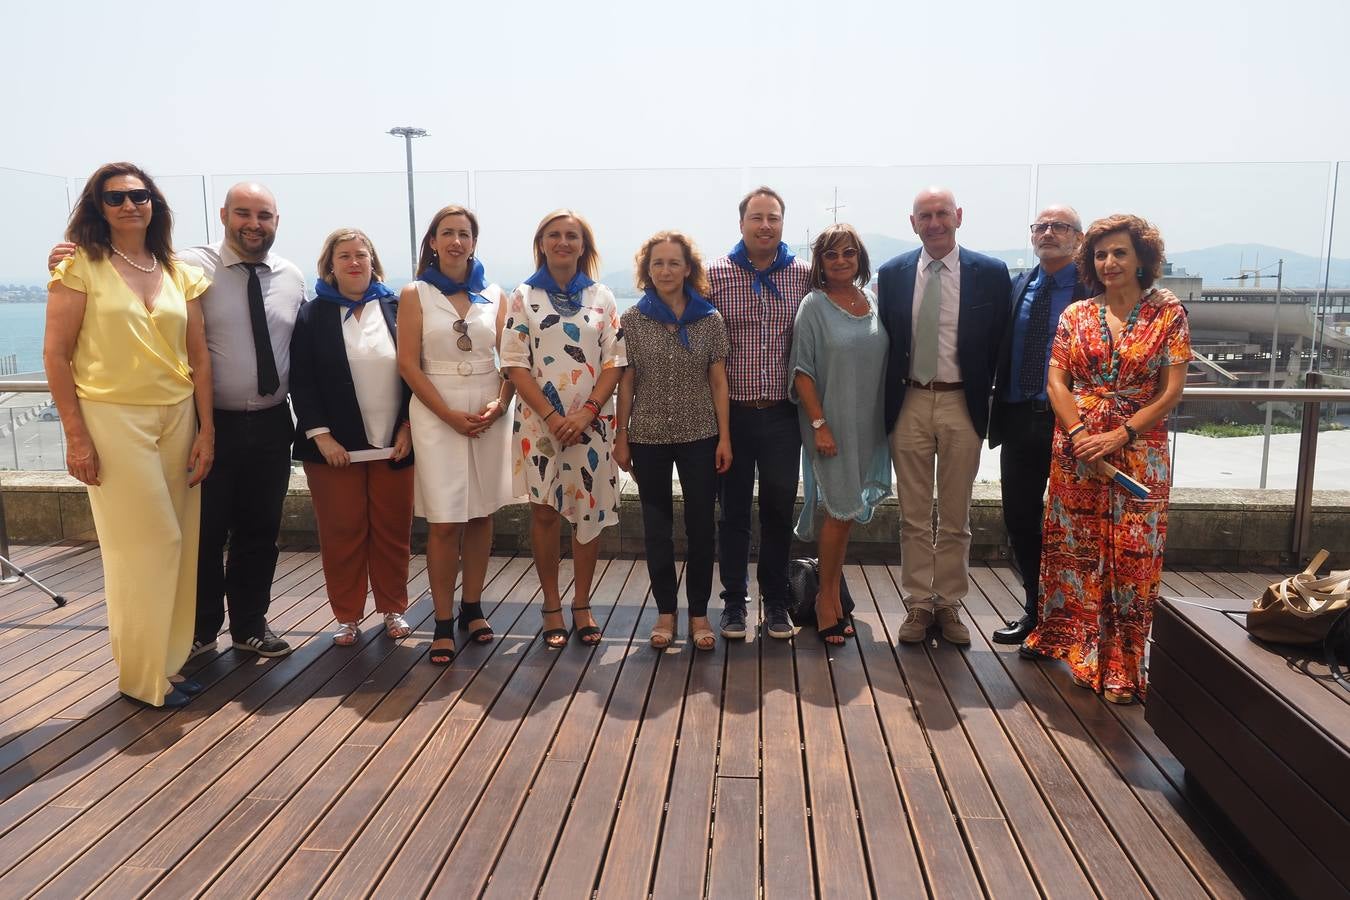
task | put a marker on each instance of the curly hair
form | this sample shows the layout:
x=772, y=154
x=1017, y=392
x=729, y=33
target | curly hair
x=589, y=261
x=697, y=277
x=88, y=226
x=838, y=235
x=1148, y=247
x=330, y=247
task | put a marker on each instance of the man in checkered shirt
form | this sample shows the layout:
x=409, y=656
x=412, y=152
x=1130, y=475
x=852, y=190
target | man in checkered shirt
x=757, y=288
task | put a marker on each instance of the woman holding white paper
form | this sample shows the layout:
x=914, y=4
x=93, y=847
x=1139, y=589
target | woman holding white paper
x=352, y=434
x=1117, y=368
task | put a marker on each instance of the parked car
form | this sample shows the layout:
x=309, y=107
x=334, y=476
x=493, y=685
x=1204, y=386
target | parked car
x=49, y=413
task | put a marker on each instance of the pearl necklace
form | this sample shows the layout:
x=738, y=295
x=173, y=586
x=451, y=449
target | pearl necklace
x=154, y=262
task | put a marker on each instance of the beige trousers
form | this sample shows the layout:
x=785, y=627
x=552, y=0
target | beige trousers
x=933, y=443
x=147, y=521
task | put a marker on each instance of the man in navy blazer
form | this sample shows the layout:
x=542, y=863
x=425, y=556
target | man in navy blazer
x=945, y=309
x=1021, y=419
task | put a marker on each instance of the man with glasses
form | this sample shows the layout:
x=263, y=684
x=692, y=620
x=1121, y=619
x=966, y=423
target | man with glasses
x=1021, y=419
x=249, y=313
x=944, y=308
x=757, y=289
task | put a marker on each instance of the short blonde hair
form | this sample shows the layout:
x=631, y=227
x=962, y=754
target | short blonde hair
x=330, y=244
x=589, y=261
x=697, y=277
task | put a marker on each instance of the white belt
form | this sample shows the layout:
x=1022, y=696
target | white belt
x=463, y=367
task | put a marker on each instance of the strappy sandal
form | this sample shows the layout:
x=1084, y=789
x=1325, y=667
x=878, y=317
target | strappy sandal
x=702, y=636
x=662, y=637
x=469, y=612
x=845, y=627
x=588, y=634
x=396, y=626
x=1121, y=698
x=445, y=631
x=1082, y=682
x=346, y=634
x=838, y=629
x=555, y=638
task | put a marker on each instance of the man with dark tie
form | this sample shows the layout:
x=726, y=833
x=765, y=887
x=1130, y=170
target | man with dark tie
x=1021, y=419
x=250, y=312
x=944, y=308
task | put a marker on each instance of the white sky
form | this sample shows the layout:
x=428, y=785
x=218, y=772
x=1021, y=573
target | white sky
x=754, y=90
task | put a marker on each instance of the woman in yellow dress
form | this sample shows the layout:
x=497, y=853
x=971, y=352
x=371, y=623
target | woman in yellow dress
x=127, y=365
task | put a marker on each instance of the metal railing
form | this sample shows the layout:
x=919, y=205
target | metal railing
x=1311, y=397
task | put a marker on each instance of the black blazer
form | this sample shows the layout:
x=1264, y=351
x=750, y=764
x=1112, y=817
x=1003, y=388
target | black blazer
x=984, y=315
x=1003, y=375
x=322, y=393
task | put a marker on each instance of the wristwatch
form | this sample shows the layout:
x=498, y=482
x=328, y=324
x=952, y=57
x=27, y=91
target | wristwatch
x=1133, y=435
x=817, y=423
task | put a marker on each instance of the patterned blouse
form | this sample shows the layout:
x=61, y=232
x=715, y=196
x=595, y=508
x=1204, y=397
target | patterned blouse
x=672, y=398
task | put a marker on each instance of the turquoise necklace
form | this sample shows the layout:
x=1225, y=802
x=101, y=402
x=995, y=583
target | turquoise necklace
x=1113, y=368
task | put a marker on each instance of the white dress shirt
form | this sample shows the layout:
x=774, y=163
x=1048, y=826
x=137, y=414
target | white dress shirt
x=949, y=315
x=374, y=364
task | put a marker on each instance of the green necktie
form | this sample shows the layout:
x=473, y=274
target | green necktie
x=923, y=367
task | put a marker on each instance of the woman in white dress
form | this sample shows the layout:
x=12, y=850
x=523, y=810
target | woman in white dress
x=563, y=349
x=450, y=324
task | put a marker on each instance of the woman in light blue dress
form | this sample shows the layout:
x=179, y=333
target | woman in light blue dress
x=838, y=360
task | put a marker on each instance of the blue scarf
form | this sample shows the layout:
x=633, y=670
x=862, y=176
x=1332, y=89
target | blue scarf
x=740, y=257
x=473, y=285
x=566, y=301
x=653, y=307
x=378, y=290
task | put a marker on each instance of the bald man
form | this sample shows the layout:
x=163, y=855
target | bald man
x=945, y=308
x=250, y=312
x=1021, y=419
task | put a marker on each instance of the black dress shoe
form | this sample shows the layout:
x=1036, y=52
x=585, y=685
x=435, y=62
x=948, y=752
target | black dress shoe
x=174, y=699
x=1027, y=653
x=1015, y=633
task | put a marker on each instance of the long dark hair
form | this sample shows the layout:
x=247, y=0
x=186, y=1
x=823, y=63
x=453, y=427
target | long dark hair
x=426, y=257
x=88, y=228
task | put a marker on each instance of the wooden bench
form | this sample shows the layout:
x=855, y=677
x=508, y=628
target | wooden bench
x=1264, y=731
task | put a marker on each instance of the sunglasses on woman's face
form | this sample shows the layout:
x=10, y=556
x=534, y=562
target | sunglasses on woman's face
x=846, y=253
x=139, y=196
x=463, y=342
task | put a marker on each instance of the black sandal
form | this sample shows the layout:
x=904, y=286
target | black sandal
x=586, y=631
x=468, y=612
x=445, y=630
x=555, y=632
x=835, y=630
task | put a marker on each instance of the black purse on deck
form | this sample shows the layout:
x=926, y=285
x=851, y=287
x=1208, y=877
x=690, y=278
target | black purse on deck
x=804, y=585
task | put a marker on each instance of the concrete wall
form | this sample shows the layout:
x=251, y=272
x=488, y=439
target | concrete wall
x=1205, y=527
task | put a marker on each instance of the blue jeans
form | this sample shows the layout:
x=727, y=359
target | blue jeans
x=697, y=466
x=767, y=440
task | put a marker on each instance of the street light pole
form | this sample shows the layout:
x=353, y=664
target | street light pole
x=1274, y=355
x=407, y=132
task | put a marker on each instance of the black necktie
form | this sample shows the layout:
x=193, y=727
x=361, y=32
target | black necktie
x=1032, y=377
x=268, y=381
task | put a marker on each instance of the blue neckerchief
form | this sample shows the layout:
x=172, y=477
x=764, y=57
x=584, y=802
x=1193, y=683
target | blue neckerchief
x=740, y=257
x=378, y=290
x=473, y=285
x=653, y=307
x=566, y=301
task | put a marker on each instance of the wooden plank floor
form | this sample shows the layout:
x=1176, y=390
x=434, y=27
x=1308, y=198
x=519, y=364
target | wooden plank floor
x=766, y=768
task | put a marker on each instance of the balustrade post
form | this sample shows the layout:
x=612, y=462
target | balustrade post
x=1307, y=463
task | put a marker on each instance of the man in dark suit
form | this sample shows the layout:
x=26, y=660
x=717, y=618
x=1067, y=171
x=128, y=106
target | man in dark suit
x=1021, y=418
x=945, y=309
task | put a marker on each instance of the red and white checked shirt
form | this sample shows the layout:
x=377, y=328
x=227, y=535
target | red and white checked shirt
x=759, y=326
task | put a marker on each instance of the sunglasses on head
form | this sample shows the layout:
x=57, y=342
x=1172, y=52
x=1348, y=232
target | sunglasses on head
x=139, y=196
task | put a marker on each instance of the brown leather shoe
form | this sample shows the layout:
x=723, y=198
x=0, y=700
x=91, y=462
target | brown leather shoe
x=915, y=627
x=953, y=630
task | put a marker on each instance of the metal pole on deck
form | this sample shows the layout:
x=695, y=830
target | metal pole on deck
x=1274, y=355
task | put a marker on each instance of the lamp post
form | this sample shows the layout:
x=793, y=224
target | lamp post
x=407, y=132
x=1274, y=357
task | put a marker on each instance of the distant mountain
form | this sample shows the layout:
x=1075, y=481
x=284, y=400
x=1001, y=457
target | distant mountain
x=1215, y=264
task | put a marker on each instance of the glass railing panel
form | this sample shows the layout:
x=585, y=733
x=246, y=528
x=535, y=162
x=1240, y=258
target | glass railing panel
x=40, y=207
x=310, y=206
x=623, y=207
x=877, y=200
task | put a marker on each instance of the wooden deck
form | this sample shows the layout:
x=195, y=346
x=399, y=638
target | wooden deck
x=765, y=767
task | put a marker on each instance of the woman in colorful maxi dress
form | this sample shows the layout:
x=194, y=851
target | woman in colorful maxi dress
x=562, y=348
x=1116, y=370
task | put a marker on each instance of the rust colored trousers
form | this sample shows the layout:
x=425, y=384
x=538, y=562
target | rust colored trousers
x=364, y=512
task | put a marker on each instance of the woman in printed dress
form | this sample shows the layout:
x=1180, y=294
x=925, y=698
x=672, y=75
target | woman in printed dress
x=562, y=348
x=1116, y=369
